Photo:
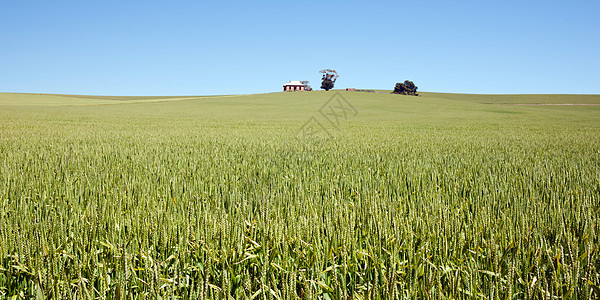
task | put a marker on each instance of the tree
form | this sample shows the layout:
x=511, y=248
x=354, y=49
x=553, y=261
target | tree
x=306, y=85
x=406, y=88
x=328, y=79
x=327, y=84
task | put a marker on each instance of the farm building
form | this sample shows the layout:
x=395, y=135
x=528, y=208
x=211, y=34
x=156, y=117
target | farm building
x=293, y=86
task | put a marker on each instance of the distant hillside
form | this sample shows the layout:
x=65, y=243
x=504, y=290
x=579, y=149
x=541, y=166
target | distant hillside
x=514, y=99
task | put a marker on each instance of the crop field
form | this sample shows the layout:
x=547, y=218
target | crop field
x=308, y=195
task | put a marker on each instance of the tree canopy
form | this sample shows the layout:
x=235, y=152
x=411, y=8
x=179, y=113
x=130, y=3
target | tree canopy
x=306, y=84
x=406, y=88
x=328, y=79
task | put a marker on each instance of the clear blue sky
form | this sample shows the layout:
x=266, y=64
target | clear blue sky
x=237, y=47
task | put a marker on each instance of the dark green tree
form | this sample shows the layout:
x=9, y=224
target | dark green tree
x=406, y=88
x=328, y=79
x=326, y=84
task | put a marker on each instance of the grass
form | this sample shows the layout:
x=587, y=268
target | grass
x=438, y=196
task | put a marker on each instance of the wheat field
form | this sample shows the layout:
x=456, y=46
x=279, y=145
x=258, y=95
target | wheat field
x=315, y=195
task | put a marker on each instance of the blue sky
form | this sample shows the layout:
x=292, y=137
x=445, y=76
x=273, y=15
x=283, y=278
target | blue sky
x=238, y=47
